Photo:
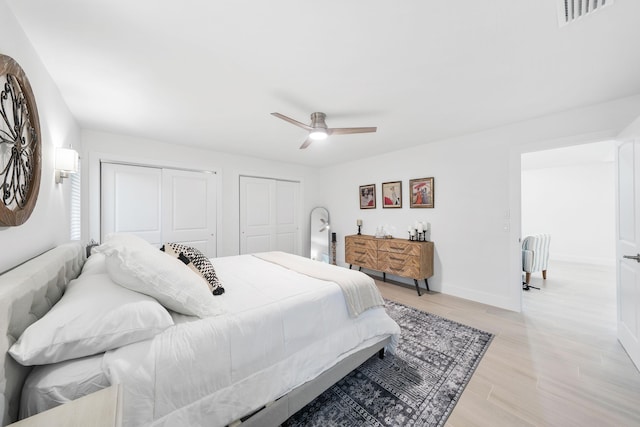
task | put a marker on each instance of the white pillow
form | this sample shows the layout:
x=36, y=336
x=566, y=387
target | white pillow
x=93, y=315
x=48, y=386
x=141, y=267
x=95, y=264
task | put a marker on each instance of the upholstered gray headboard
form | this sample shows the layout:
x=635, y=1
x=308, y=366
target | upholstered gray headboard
x=27, y=292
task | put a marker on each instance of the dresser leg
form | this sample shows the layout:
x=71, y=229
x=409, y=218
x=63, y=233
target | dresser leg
x=350, y=266
x=426, y=283
x=360, y=269
x=417, y=287
x=384, y=276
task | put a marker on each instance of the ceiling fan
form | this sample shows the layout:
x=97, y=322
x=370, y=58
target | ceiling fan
x=318, y=129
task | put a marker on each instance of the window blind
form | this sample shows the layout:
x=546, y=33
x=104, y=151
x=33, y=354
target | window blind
x=75, y=223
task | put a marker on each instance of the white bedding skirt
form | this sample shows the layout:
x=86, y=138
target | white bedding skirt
x=283, y=329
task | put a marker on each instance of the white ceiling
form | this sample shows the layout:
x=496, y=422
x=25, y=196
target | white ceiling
x=584, y=154
x=208, y=73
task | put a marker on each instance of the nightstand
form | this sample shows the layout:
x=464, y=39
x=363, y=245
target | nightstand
x=100, y=409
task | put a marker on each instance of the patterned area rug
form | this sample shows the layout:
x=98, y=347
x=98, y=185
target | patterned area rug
x=418, y=386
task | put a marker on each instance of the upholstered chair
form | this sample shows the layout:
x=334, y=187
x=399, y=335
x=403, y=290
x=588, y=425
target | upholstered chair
x=535, y=255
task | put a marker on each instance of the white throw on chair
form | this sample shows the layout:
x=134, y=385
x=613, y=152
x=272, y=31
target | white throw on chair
x=535, y=255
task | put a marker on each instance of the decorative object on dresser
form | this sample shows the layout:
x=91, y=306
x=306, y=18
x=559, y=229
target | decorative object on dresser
x=367, y=195
x=419, y=231
x=20, y=145
x=392, y=194
x=421, y=193
x=359, y=224
x=399, y=257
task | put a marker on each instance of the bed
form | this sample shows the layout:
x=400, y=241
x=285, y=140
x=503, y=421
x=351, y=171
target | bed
x=274, y=340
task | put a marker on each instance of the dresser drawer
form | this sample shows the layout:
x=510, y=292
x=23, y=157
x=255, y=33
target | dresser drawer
x=399, y=247
x=361, y=251
x=366, y=260
x=399, y=264
x=361, y=256
x=361, y=242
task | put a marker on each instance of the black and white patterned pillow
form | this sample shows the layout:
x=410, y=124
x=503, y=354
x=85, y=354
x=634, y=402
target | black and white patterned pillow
x=196, y=261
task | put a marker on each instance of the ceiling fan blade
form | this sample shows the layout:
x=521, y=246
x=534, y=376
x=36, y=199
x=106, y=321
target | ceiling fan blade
x=345, y=131
x=292, y=121
x=306, y=143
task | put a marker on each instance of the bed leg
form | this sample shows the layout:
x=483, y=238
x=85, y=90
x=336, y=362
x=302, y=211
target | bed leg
x=381, y=353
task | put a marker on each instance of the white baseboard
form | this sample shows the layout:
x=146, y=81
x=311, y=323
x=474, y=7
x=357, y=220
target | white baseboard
x=495, y=300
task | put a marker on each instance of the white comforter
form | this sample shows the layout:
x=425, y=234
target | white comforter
x=283, y=330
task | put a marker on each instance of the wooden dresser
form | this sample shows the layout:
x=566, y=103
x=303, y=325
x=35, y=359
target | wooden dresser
x=399, y=257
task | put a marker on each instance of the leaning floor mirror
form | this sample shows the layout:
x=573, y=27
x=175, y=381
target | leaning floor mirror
x=320, y=235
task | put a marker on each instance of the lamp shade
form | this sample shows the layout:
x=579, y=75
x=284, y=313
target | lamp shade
x=66, y=160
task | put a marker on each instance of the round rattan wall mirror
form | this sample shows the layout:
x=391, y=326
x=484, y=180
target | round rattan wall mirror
x=20, y=145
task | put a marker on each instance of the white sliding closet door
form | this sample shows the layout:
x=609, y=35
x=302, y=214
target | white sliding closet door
x=257, y=215
x=160, y=205
x=269, y=215
x=287, y=212
x=131, y=201
x=189, y=209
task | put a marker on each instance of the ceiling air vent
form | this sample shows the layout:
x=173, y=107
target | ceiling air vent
x=572, y=10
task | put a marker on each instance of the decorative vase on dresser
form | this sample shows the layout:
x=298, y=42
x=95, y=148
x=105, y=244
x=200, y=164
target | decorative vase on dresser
x=404, y=258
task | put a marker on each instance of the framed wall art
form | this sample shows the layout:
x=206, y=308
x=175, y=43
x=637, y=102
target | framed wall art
x=392, y=194
x=421, y=192
x=367, y=196
x=20, y=145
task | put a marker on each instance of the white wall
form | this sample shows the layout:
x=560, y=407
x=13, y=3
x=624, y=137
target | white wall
x=477, y=184
x=576, y=205
x=475, y=224
x=471, y=208
x=49, y=223
x=106, y=146
x=631, y=131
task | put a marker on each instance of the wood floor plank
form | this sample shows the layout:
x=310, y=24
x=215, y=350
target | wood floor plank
x=558, y=363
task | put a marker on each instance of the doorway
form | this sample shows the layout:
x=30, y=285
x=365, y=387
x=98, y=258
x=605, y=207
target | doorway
x=569, y=193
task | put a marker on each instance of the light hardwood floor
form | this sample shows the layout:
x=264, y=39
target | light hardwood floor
x=558, y=363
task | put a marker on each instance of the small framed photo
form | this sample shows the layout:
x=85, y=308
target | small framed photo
x=421, y=192
x=392, y=194
x=368, y=196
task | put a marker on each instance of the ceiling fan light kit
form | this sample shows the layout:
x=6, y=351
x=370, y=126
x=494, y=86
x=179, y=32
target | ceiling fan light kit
x=318, y=134
x=318, y=129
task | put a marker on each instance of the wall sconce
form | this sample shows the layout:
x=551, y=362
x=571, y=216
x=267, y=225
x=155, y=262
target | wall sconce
x=66, y=163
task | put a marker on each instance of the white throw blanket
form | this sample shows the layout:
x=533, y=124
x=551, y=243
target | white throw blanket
x=360, y=291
